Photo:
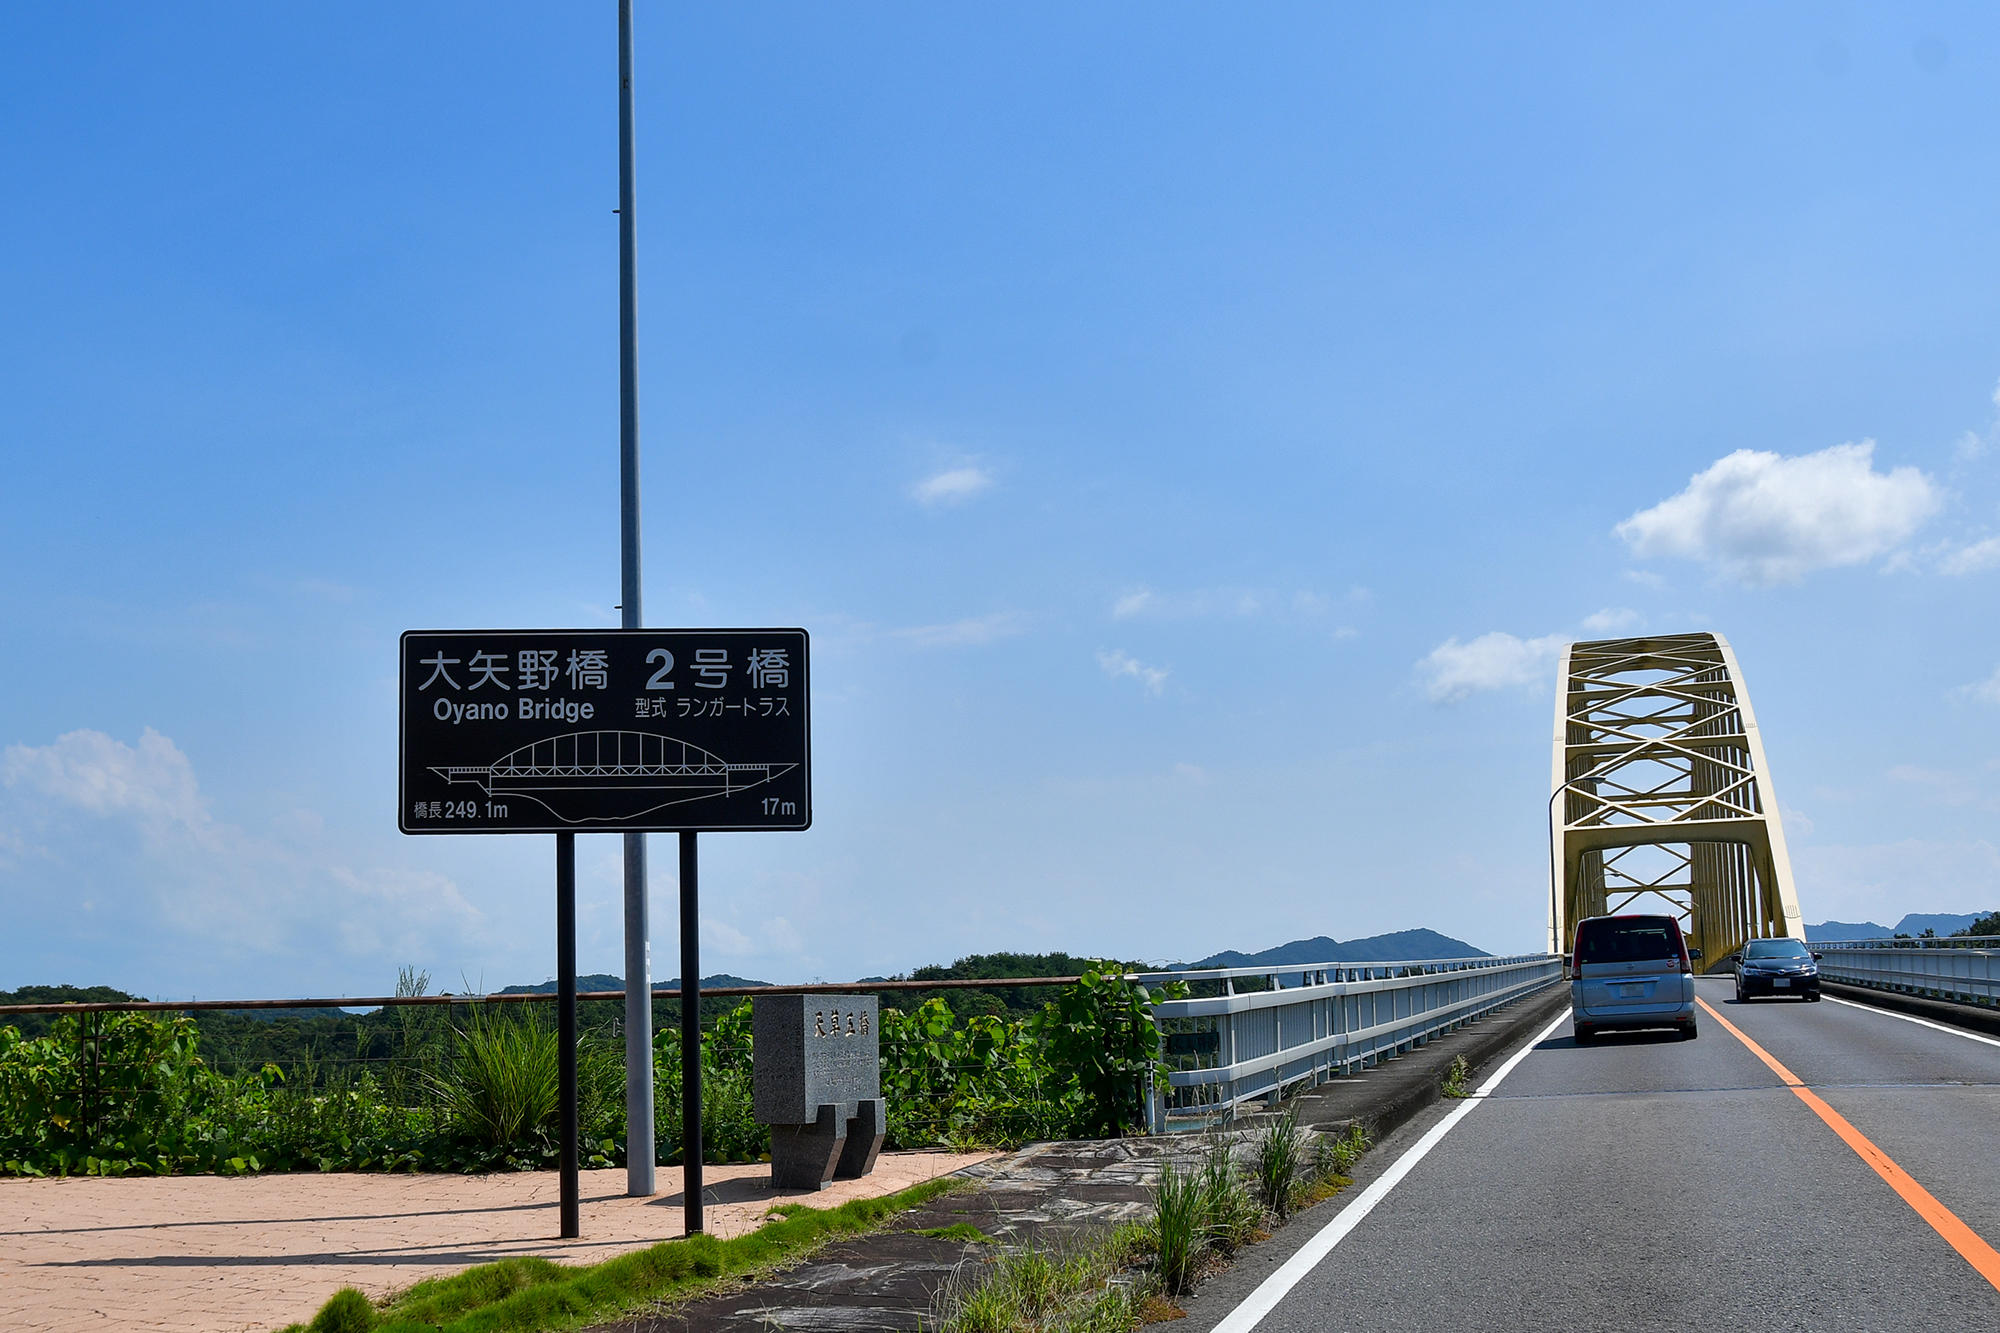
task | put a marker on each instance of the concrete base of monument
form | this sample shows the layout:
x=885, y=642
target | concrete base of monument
x=865, y=1133
x=205, y=1254
x=839, y=1145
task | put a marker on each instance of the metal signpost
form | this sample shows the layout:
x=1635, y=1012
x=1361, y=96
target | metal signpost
x=608, y=731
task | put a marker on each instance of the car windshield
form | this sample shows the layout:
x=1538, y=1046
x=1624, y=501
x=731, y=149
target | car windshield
x=1775, y=949
x=1640, y=940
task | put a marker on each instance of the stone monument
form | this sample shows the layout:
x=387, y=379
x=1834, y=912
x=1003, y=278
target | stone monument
x=817, y=1082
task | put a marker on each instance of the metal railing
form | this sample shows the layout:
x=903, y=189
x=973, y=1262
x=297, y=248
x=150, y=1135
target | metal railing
x=514, y=997
x=1310, y=1022
x=1962, y=968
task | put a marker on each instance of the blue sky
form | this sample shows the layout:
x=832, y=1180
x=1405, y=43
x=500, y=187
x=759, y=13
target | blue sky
x=1187, y=435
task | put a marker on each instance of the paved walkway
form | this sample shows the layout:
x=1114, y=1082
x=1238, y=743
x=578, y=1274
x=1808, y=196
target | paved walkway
x=204, y=1254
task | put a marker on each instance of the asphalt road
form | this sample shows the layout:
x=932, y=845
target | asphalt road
x=1648, y=1183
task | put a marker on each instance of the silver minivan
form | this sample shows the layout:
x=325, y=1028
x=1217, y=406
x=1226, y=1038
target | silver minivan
x=1631, y=972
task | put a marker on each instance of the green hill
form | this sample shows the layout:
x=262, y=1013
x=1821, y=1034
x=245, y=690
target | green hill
x=1397, y=947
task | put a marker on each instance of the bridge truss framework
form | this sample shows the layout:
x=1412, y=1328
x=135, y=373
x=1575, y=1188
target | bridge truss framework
x=1661, y=798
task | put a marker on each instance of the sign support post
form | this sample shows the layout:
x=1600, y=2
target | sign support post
x=690, y=1035
x=566, y=1025
x=639, y=1147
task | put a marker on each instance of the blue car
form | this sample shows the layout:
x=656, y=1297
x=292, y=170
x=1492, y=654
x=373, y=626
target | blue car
x=1777, y=967
x=1631, y=971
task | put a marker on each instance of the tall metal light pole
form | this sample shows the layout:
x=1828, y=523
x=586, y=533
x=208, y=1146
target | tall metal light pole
x=639, y=1149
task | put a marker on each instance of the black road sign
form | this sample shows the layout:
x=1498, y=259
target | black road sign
x=604, y=731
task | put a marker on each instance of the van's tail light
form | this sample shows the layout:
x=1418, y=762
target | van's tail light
x=1687, y=963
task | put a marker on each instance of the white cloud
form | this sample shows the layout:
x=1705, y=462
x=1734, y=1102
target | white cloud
x=1972, y=444
x=1201, y=603
x=90, y=771
x=1763, y=518
x=1493, y=661
x=393, y=913
x=1610, y=620
x=1132, y=604
x=1985, y=691
x=725, y=939
x=1117, y=664
x=1977, y=558
x=952, y=486
x=967, y=633
x=127, y=827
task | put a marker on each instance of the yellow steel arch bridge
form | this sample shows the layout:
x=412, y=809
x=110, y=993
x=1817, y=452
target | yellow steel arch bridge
x=1661, y=796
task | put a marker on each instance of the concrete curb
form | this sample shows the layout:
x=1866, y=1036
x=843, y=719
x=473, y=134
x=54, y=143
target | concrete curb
x=1938, y=1011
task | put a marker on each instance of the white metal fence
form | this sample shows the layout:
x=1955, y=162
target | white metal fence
x=1265, y=1031
x=1961, y=968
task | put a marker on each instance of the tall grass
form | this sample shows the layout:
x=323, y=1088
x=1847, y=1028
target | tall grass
x=505, y=1079
x=1279, y=1161
x=1180, y=1223
x=1233, y=1216
x=1197, y=1212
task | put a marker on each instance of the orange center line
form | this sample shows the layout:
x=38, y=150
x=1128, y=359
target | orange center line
x=1984, y=1259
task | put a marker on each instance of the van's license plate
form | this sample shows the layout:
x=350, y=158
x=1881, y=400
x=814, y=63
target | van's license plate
x=1782, y=983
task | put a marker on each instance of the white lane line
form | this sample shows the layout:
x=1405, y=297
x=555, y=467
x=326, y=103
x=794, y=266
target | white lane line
x=1920, y=1022
x=1277, y=1286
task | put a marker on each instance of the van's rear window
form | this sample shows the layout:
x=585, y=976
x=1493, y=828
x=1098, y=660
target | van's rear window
x=1628, y=942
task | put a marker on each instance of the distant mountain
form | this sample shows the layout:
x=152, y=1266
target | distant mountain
x=1398, y=946
x=1833, y=932
x=1916, y=923
x=605, y=981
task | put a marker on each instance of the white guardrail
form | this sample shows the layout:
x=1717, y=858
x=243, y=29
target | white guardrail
x=1271, y=1030
x=1956, y=967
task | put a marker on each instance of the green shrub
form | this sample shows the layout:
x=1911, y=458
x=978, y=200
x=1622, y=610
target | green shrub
x=1100, y=1033
x=348, y=1312
x=986, y=1082
x=1337, y=1154
x=729, y=1128
x=102, y=1094
x=126, y=1093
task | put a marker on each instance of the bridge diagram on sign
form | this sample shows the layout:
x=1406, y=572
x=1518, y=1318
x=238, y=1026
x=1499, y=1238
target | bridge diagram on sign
x=596, y=777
